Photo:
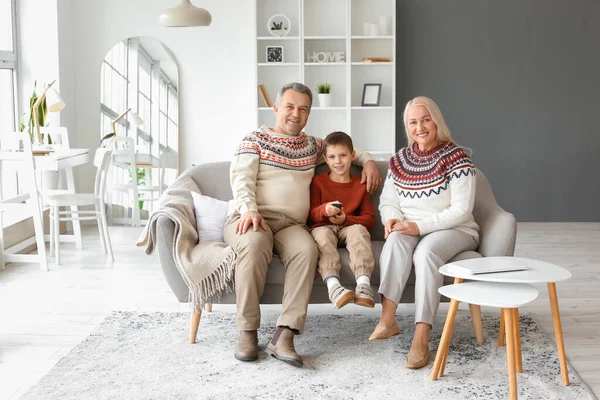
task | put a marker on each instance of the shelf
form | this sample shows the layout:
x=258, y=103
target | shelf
x=371, y=37
x=328, y=108
x=373, y=108
x=278, y=64
x=265, y=108
x=278, y=38
x=372, y=63
x=313, y=64
x=325, y=37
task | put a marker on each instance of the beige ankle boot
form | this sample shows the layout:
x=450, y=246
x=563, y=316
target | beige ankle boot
x=282, y=347
x=246, y=348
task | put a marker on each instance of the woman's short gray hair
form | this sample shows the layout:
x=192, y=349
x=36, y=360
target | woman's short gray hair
x=297, y=87
x=443, y=133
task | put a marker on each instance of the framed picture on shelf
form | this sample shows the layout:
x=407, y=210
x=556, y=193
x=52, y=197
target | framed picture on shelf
x=274, y=54
x=278, y=25
x=371, y=95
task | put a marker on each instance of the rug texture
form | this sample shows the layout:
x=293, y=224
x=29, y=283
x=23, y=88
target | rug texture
x=146, y=356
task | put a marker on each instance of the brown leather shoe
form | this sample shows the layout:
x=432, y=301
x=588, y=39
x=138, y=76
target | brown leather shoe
x=383, y=331
x=417, y=358
x=246, y=348
x=282, y=347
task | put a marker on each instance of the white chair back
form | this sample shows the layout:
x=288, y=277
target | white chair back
x=58, y=134
x=102, y=161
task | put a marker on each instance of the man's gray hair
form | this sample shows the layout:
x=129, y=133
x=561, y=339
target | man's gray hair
x=297, y=87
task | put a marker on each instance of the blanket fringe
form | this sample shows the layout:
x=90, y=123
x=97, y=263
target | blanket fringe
x=218, y=283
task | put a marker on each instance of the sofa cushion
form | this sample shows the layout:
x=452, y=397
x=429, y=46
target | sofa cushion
x=210, y=217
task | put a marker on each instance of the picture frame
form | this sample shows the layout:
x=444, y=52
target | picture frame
x=274, y=54
x=371, y=95
x=279, y=25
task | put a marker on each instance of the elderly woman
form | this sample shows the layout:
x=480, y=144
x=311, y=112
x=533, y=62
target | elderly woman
x=427, y=209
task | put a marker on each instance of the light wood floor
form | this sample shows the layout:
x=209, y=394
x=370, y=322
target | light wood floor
x=43, y=315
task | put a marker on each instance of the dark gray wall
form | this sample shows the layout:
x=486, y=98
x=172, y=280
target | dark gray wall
x=518, y=82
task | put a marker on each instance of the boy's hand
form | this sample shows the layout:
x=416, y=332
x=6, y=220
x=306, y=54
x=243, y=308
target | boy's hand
x=339, y=219
x=331, y=210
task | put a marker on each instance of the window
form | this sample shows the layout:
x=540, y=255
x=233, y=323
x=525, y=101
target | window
x=113, y=88
x=8, y=88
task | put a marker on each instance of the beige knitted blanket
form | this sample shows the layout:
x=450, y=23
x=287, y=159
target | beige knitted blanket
x=207, y=267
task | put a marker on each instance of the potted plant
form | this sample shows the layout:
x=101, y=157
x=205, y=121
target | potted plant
x=324, y=92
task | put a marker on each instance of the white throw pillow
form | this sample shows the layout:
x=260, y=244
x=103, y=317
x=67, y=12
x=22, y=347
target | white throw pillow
x=210, y=217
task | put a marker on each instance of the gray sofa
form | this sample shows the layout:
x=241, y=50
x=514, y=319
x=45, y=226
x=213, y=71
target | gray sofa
x=497, y=237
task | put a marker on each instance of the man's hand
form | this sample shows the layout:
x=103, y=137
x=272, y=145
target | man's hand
x=338, y=219
x=406, y=228
x=250, y=218
x=331, y=210
x=371, y=175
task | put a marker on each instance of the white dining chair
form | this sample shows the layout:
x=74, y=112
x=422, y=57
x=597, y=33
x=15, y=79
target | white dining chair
x=15, y=150
x=126, y=159
x=102, y=161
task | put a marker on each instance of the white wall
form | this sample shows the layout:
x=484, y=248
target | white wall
x=217, y=72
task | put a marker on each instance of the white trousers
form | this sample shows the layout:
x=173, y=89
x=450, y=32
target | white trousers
x=427, y=253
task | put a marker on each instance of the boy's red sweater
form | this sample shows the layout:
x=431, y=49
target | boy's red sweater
x=353, y=195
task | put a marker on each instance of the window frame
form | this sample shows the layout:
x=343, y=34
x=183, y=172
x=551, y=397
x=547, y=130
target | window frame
x=9, y=60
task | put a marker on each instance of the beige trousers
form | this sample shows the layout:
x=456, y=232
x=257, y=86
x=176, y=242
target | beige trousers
x=298, y=253
x=357, y=240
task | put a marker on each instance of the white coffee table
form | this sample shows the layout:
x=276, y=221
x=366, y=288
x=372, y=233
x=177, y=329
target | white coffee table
x=538, y=272
x=506, y=296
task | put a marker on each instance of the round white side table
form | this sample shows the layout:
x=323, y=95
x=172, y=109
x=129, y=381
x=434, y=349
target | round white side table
x=537, y=272
x=507, y=296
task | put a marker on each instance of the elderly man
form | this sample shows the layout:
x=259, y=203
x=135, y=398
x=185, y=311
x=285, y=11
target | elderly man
x=270, y=178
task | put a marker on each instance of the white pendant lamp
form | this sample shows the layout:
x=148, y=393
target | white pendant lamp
x=185, y=14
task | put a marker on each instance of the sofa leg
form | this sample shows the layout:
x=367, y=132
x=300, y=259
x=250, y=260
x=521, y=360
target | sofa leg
x=208, y=307
x=194, y=322
x=477, y=324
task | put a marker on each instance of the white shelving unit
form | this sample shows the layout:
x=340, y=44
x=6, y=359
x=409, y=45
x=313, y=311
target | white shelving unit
x=330, y=26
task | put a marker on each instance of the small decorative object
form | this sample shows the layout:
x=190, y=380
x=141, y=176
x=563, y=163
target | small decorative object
x=323, y=57
x=383, y=25
x=279, y=25
x=371, y=95
x=374, y=30
x=324, y=93
x=274, y=54
x=265, y=96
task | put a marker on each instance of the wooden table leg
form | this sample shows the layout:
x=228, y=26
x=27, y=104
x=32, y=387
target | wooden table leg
x=477, y=323
x=501, y=331
x=560, y=345
x=517, y=341
x=510, y=353
x=444, y=345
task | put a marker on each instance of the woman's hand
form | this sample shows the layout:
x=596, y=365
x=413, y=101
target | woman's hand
x=339, y=219
x=406, y=228
x=390, y=224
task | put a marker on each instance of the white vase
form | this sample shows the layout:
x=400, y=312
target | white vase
x=383, y=25
x=324, y=100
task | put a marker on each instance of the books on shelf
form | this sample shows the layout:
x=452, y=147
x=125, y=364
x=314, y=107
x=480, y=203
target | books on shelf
x=265, y=96
x=377, y=59
x=485, y=268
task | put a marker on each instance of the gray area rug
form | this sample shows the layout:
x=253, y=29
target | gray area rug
x=146, y=356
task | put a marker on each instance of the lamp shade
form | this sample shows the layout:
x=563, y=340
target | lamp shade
x=135, y=119
x=54, y=101
x=185, y=14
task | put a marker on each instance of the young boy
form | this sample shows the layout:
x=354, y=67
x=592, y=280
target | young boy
x=341, y=212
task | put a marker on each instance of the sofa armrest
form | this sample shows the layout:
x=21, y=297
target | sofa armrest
x=498, y=233
x=165, y=235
